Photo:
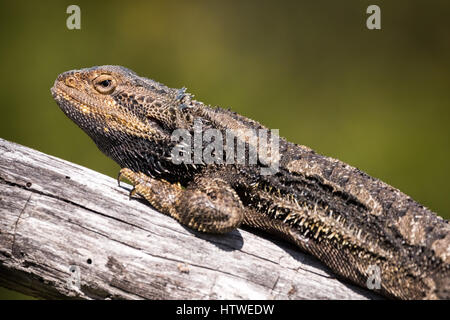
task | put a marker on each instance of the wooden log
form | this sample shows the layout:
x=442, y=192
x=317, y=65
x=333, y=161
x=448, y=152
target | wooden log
x=69, y=232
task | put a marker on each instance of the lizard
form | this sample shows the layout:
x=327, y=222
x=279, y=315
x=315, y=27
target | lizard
x=357, y=225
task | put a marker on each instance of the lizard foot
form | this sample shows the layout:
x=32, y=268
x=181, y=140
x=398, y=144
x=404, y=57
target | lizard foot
x=207, y=204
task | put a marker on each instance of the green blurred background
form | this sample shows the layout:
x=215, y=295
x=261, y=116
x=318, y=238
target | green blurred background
x=376, y=99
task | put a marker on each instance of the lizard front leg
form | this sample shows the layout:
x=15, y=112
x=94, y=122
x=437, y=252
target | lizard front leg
x=208, y=204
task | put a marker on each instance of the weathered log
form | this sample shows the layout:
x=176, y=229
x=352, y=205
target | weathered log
x=69, y=232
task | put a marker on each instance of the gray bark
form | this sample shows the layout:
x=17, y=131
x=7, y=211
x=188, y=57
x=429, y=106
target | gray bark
x=69, y=232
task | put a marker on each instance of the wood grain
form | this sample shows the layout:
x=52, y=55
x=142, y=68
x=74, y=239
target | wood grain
x=69, y=232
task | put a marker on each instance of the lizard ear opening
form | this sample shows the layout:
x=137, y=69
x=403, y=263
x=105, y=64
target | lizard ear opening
x=105, y=84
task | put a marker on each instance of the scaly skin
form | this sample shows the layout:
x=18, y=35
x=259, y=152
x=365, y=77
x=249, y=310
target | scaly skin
x=347, y=219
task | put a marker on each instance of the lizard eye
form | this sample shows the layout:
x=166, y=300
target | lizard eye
x=105, y=84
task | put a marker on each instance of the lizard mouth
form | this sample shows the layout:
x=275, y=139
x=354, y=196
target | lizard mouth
x=69, y=98
x=79, y=106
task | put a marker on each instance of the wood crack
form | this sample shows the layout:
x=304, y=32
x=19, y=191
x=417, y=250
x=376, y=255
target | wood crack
x=17, y=222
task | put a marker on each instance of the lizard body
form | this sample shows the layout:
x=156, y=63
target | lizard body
x=347, y=219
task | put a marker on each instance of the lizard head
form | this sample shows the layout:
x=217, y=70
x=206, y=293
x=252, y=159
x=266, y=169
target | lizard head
x=118, y=99
x=116, y=107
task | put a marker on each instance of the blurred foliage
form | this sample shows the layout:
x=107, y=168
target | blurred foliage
x=378, y=100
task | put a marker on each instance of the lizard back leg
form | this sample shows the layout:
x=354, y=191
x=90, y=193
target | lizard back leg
x=208, y=204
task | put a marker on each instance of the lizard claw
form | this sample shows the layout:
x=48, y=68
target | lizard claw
x=132, y=177
x=119, y=175
x=132, y=193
